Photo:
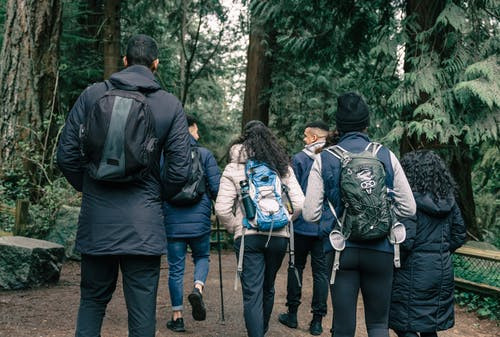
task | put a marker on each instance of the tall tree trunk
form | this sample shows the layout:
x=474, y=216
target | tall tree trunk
x=111, y=37
x=28, y=75
x=426, y=12
x=259, y=70
x=182, y=54
x=461, y=168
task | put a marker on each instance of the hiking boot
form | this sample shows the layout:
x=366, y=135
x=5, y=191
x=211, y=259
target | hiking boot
x=177, y=325
x=315, y=328
x=288, y=319
x=196, y=300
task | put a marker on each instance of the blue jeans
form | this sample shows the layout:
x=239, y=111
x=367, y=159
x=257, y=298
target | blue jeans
x=176, y=256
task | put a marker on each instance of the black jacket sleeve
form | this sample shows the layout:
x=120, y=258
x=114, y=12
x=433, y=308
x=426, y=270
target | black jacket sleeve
x=458, y=231
x=68, y=149
x=177, y=154
x=410, y=224
x=212, y=173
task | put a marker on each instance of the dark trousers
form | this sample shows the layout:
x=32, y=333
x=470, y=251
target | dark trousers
x=303, y=246
x=140, y=275
x=260, y=265
x=414, y=334
x=368, y=270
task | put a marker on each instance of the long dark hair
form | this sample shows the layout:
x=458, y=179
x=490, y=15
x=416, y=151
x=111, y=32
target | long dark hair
x=427, y=173
x=262, y=145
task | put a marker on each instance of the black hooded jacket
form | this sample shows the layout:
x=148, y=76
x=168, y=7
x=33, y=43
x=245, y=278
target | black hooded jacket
x=422, y=291
x=127, y=218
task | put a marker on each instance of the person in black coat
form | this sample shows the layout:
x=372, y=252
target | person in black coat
x=422, y=291
x=191, y=226
x=121, y=224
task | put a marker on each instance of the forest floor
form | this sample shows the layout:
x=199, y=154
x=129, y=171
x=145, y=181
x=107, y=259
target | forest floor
x=51, y=311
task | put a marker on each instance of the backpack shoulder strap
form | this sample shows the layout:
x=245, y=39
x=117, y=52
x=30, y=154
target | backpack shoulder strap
x=108, y=85
x=373, y=147
x=337, y=151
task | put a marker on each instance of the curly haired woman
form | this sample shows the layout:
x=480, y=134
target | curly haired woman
x=422, y=291
x=263, y=250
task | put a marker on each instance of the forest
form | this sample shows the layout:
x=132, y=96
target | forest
x=429, y=70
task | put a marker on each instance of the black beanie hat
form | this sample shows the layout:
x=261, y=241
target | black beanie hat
x=352, y=113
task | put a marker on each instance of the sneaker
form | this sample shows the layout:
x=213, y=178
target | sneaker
x=288, y=319
x=177, y=325
x=315, y=328
x=196, y=300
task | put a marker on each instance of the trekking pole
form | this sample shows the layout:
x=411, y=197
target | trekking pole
x=220, y=267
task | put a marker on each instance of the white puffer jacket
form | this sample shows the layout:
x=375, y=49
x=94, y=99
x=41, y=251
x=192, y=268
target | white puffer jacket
x=228, y=204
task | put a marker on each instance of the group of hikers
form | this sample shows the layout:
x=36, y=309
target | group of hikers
x=368, y=221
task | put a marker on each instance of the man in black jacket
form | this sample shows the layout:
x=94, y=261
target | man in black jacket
x=121, y=224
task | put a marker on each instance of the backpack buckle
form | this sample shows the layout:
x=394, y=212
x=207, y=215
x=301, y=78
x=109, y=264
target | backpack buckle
x=345, y=161
x=337, y=240
x=397, y=234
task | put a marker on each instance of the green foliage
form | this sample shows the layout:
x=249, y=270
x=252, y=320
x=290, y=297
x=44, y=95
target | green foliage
x=455, y=69
x=485, y=181
x=484, y=306
x=318, y=57
x=43, y=213
x=81, y=59
x=2, y=18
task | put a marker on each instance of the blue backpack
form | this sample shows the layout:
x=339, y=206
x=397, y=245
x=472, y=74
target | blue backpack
x=265, y=191
x=267, y=209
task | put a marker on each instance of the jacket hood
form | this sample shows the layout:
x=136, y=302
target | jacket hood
x=136, y=77
x=427, y=204
x=310, y=150
x=238, y=154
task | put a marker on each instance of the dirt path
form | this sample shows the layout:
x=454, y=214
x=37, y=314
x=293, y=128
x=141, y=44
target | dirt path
x=51, y=311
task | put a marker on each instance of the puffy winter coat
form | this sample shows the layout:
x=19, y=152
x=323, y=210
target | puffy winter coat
x=126, y=218
x=422, y=291
x=228, y=204
x=194, y=221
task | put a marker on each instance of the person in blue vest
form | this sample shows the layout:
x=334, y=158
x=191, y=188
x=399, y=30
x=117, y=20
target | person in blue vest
x=190, y=225
x=308, y=239
x=367, y=265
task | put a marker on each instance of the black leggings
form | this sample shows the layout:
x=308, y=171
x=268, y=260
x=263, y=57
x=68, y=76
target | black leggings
x=368, y=270
x=414, y=334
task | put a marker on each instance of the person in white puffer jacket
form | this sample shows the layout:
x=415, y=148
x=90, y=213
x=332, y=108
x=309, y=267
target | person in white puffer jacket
x=263, y=251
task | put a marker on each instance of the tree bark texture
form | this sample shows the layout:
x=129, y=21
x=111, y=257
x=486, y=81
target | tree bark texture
x=258, y=77
x=111, y=37
x=461, y=168
x=28, y=70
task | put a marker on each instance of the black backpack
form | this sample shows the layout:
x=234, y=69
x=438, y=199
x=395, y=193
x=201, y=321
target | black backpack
x=194, y=189
x=117, y=139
